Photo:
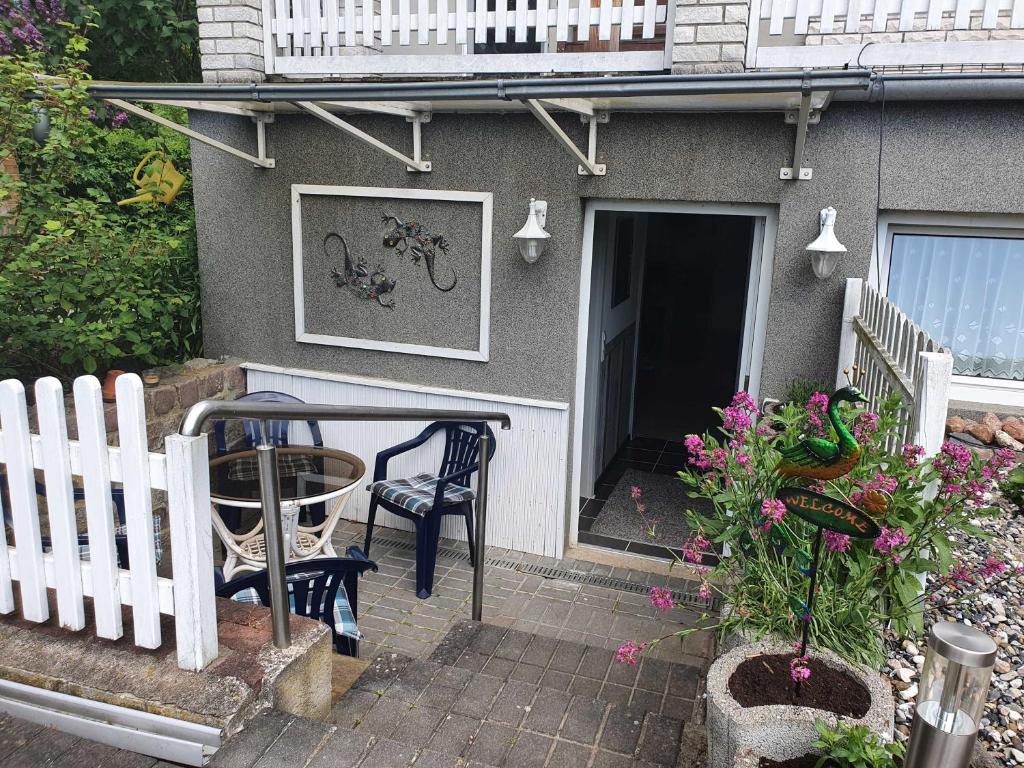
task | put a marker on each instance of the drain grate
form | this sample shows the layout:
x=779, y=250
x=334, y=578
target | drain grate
x=687, y=596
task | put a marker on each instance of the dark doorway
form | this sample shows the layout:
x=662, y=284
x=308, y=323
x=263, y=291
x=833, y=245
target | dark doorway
x=691, y=321
x=669, y=312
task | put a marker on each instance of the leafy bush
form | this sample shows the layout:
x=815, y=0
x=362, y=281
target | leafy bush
x=85, y=285
x=848, y=746
x=801, y=390
x=1012, y=486
x=864, y=587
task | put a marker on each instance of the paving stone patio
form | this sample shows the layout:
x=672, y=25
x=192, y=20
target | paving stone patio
x=393, y=618
x=535, y=685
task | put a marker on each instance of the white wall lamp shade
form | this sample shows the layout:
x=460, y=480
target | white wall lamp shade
x=826, y=248
x=532, y=239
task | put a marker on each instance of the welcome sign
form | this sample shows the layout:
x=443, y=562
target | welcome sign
x=826, y=512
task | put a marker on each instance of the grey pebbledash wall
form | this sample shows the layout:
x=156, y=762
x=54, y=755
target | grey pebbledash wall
x=955, y=157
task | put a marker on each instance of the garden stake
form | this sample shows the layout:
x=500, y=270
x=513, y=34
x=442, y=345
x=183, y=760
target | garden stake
x=809, y=605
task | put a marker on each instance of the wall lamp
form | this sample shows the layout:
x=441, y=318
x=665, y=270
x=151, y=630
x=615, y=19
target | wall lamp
x=532, y=239
x=825, y=249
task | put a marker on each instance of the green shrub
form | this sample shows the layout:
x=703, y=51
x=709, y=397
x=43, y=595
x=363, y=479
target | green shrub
x=848, y=746
x=800, y=391
x=85, y=285
x=864, y=588
x=1013, y=486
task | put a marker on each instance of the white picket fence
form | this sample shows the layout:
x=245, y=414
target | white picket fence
x=852, y=17
x=182, y=472
x=893, y=355
x=342, y=36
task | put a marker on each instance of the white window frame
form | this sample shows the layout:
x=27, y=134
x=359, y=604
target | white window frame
x=972, y=389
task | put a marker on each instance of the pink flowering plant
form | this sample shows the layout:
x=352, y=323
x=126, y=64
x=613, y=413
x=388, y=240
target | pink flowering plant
x=864, y=587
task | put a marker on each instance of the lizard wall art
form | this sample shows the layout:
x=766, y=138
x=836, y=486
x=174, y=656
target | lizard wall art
x=371, y=285
x=420, y=243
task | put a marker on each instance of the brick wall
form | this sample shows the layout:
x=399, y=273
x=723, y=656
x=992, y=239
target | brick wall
x=709, y=36
x=231, y=40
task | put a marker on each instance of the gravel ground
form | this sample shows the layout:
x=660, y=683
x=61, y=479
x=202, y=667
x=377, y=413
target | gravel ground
x=997, y=610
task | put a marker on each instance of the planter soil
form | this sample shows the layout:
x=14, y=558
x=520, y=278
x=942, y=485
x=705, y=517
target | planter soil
x=765, y=680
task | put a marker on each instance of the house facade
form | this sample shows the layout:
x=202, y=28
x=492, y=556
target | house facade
x=361, y=249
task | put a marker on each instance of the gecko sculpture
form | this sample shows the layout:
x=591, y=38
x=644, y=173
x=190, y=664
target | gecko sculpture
x=357, y=276
x=420, y=243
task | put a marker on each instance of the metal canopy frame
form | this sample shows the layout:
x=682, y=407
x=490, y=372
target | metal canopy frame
x=261, y=119
x=415, y=163
x=593, y=99
x=588, y=162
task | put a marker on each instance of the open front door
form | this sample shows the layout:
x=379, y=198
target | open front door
x=618, y=255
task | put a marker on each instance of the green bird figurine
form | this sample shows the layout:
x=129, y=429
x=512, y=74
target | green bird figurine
x=821, y=459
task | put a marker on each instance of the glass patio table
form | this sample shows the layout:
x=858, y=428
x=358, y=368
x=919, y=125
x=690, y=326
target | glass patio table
x=309, y=476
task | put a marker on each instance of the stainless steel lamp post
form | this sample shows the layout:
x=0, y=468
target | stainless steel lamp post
x=953, y=689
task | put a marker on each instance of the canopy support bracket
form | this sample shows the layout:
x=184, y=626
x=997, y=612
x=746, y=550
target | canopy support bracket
x=260, y=160
x=804, y=116
x=416, y=163
x=588, y=165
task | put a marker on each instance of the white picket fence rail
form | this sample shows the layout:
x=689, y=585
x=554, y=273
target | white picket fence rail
x=893, y=16
x=892, y=354
x=349, y=36
x=182, y=472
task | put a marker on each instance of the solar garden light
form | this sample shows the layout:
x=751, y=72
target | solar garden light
x=953, y=689
x=826, y=248
x=532, y=238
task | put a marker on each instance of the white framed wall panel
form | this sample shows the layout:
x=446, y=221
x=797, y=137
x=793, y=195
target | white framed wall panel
x=486, y=201
x=526, y=508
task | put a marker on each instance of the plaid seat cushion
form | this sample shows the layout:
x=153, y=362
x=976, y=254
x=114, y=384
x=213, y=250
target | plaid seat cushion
x=289, y=465
x=416, y=493
x=344, y=620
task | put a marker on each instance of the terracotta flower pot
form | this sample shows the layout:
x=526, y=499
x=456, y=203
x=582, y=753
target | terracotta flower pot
x=108, y=384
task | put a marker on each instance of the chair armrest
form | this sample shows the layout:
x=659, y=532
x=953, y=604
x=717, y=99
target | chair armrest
x=359, y=560
x=380, y=469
x=453, y=477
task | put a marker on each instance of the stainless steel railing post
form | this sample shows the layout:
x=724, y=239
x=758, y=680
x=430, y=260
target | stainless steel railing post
x=270, y=501
x=481, y=525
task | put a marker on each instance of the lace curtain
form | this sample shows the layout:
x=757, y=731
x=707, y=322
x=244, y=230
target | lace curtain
x=968, y=293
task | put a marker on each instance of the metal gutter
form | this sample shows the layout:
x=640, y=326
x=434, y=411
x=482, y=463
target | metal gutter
x=510, y=90
x=942, y=86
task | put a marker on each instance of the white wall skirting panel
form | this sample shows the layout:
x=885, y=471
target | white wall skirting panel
x=527, y=502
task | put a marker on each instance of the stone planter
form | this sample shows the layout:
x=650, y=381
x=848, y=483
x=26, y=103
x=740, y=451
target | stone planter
x=779, y=732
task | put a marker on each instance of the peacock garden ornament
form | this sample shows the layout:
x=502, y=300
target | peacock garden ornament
x=820, y=459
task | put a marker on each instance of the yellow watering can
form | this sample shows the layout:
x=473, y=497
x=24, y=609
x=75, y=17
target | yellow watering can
x=157, y=178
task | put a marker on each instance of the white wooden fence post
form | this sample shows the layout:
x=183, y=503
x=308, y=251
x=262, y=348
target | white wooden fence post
x=60, y=503
x=21, y=483
x=931, y=400
x=138, y=500
x=99, y=512
x=847, y=336
x=188, y=502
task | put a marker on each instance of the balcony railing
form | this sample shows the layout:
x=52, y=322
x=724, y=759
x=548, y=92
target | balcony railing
x=455, y=37
x=885, y=33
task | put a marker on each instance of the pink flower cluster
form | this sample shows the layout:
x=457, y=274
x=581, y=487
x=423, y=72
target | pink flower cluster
x=912, y=455
x=739, y=415
x=891, y=539
x=119, y=120
x=816, y=413
x=772, y=512
x=629, y=653
x=636, y=492
x=694, y=547
x=24, y=18
x=993, y=567
x=698, y=456
x=865, y=425
x=799, y=669
x=836, y=542
x=661, y=599
x=880, y=483
x=952, y=463
x=704, y=593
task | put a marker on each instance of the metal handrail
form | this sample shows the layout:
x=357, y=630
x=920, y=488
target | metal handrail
x=270, y=485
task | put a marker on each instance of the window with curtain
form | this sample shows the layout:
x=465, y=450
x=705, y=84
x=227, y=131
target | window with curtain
x=967, y=292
